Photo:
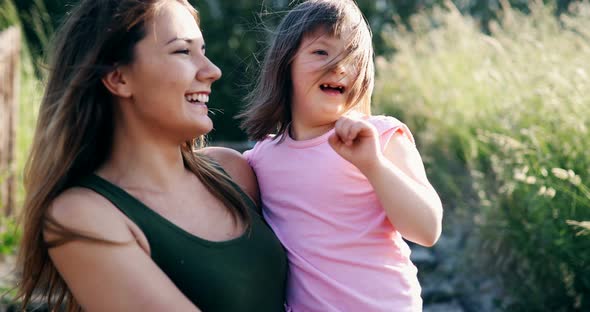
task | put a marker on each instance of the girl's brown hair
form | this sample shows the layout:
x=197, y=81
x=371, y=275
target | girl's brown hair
x=74, y=133
x=268, y=108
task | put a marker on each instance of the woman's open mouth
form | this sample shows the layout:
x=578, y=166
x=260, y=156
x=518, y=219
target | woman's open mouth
x=197, y=98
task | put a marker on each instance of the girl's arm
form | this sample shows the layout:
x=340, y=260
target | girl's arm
x=397, y=174
x=103, y=276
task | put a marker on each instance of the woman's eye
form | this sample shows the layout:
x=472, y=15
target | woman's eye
x=185, y=51
x=320, y=52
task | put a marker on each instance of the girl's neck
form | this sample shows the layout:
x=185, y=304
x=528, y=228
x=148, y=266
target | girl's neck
x=301, y=132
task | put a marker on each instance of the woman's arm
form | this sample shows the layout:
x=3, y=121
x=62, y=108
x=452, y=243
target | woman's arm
x=104, y=276
x=397, y=174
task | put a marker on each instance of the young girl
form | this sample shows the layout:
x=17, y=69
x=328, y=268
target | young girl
x=339, y=187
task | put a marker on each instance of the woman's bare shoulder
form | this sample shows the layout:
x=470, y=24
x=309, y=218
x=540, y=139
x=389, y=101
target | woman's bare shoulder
x=236, y=165
x=119, y=268
x=87, y=212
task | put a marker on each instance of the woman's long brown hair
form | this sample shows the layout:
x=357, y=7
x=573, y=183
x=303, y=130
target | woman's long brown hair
x=74, y=134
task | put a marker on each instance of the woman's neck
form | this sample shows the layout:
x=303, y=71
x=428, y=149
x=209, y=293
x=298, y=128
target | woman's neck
x=143, y=161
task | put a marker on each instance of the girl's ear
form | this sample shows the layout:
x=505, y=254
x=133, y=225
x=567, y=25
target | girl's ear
x=115, y=81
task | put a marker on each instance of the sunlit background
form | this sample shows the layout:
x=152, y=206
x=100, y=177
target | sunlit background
x=497, y=94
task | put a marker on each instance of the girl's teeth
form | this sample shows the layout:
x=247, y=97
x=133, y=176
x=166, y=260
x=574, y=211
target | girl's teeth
x=325, y=86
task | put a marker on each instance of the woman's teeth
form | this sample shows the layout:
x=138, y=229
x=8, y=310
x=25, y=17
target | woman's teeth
x=197, y=97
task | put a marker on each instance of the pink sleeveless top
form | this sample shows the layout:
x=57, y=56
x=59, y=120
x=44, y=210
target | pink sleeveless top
x=344, y=254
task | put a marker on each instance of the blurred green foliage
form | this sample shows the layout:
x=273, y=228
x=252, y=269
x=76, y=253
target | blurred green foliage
x=29, y=98
x=235, y=35
x=9, y=236
x=503, y=122
x=8, y=14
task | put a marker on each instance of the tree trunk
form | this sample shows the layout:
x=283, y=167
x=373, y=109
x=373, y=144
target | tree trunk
x=9, y=79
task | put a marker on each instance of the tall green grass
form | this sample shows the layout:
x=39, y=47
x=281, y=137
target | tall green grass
x=502, y=121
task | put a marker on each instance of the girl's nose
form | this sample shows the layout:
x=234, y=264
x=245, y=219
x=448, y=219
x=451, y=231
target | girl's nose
x=339, y=69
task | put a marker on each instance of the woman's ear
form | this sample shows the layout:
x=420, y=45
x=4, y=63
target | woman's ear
x=115, y=81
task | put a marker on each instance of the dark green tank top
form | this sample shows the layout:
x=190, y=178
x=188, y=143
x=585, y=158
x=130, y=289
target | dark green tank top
x=247, y=273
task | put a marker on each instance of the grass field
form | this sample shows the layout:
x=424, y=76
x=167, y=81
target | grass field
x=502, y=120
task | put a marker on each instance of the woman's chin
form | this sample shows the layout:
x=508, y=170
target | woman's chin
x=203, y=127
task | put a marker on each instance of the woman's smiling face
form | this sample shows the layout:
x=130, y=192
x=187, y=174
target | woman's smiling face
x=170, y=78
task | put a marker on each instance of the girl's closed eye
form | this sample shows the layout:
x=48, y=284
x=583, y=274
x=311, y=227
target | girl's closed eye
x=320, y=52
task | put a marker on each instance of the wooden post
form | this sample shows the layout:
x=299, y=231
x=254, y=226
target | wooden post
x=9, y=84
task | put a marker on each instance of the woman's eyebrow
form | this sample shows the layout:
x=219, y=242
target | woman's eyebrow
x=188, y=40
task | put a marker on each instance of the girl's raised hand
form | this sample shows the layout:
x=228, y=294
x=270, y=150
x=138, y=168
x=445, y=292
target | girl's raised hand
x=357, y=141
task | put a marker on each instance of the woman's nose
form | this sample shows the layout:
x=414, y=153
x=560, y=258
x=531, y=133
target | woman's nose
x=208, y=71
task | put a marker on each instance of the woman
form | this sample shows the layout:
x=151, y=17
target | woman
x=121, y=213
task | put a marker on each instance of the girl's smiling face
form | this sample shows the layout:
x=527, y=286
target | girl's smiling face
x=319, y=95
x=170, y=79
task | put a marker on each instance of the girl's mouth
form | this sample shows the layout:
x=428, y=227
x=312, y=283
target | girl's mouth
x=332, y=89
